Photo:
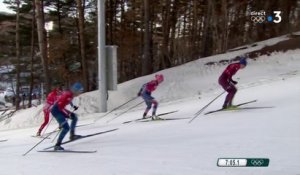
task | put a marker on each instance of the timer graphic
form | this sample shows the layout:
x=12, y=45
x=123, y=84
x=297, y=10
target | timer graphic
x=243, y=162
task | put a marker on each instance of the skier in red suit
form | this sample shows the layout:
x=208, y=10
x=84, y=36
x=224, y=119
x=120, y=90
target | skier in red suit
x=145, y=93
x=225, y=80
x=61, y=114
x=51, y=99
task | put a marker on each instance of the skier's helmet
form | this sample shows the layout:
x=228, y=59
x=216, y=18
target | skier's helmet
x=243, y=61
x=159, y=77
x=77, y=87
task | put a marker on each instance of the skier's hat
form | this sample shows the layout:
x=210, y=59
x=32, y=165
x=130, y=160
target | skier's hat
x=243, y=60
x=159, y=77
x=77, y=87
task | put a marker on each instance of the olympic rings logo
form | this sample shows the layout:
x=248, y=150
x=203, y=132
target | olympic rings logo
x=257, y=162
x=258, y=19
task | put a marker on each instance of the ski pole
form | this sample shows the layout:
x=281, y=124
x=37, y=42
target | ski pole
x=45, y=137
x=115, y=109
x=39, y=142
x=202, y=109
x=55, y=136
x=124, y=112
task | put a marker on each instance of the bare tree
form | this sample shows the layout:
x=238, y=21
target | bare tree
x=18, y=55
x=42, y=41
x=80, y=10
x=32, y=55
x=146, y=59
x=165, y=61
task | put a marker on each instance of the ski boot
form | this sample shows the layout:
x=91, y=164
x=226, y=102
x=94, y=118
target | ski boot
x=144, y=116
x=155, y=117
x=74, y=137
x=231, y=107
x=38, y=134
x=57, y=147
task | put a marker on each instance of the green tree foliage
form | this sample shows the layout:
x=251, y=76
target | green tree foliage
x=179, y=31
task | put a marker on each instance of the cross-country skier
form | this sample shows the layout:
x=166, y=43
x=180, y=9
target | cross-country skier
x=145, y=93
x=61, y=114
x=51, y=99
x=225, y=80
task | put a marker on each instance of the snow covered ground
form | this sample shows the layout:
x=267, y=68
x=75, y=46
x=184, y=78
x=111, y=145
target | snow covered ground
x=175, y=147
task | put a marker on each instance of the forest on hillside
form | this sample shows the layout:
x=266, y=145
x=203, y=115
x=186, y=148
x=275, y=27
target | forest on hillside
x=150, y=35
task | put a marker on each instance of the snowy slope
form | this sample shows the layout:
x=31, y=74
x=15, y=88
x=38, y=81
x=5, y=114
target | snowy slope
x=176, y=147
x=193, y=79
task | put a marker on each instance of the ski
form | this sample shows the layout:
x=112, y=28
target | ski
x=239, y=109
x=66, y=151
x=241, y=104
x=3, y=140
x=84, y=136
x=166, y=113
x=255, y=107
x=210, y=112
x=163, y=119
x=140, y=119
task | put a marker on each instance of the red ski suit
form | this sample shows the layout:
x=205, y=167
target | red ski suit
x=145, y=92
x=150, y=86
x=51, y=99
x=227, y=83
x=64, y=99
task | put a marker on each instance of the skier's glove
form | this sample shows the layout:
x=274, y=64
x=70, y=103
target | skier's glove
x=75, y=108
x=139, y=94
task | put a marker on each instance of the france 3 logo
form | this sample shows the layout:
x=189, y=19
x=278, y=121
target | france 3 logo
x=259, y=17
